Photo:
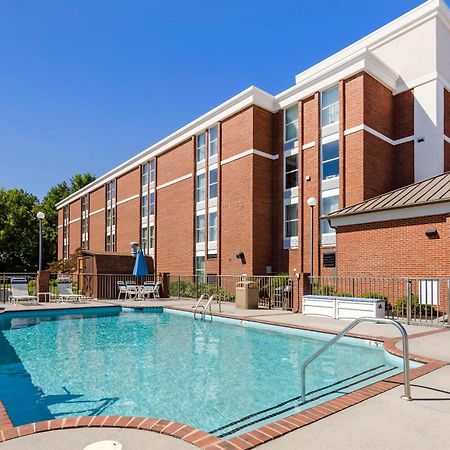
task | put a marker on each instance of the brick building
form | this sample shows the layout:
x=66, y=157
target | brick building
x=369, y=119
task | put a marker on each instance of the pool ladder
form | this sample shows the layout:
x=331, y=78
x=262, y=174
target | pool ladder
x=406, y=382
x=204, y=307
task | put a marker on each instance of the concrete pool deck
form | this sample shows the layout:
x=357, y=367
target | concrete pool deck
x=382, y=421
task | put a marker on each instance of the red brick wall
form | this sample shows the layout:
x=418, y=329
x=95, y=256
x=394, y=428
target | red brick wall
x=75, y=227
x=395, y=248
x=447, y=113
x=176, y=163
x=237, y=133
x=446, y=156
x=97, y=221
x=128, y=213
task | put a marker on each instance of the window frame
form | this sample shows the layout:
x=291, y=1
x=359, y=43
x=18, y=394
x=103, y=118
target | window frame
x=285, y=124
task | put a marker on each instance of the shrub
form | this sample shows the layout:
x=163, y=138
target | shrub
x=417, y=309
x=189, y=289
x=323, y=289
x=374, y=295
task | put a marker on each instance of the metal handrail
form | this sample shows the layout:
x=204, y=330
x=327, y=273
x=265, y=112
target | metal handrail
x=406, y=381
x=202, y=297
x=207, y=304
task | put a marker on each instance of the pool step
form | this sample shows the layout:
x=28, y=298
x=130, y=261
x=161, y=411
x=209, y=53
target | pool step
x=294, y=404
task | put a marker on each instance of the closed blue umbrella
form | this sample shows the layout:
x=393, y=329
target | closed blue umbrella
x=140, y=266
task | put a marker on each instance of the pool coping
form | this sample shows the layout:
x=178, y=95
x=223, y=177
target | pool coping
x=247, y=440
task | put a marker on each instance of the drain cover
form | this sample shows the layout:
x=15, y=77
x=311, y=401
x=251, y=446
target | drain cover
x=104, y=445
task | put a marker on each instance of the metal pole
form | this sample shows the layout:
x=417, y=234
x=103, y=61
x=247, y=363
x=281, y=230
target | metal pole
x=40, y=244
x=312, y=243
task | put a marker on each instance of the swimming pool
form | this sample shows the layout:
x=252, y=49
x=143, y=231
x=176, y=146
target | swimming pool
x=220, y=376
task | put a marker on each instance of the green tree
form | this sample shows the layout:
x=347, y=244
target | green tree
x=48, y=207
x=18, y=231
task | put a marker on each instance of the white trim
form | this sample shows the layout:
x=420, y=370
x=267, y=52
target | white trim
x=308, y=145
x=379, y=135
x=446, y=139
x=251, y=151
x=74, y=220
x=429, y=209
x=176, y=180
x=248, y=97
x=96, y=212
x=129, y=199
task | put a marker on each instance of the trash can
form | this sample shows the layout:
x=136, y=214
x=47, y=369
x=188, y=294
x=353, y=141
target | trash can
x=247, y=295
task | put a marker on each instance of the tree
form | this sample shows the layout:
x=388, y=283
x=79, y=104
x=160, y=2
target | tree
x=19, y=225
x=48, y=207
x=18, y=231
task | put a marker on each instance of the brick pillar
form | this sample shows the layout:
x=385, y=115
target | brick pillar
x=165, y=281
x=302, y=287
x=43, y=283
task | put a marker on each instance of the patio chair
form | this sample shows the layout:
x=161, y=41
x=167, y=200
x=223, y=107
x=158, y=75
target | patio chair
x=132, y=290
x=65, y=291
x=122, y=287
x=19, y=288
x=151, y=289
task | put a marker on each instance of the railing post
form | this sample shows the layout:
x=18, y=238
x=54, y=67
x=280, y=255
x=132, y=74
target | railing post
x=408, y=301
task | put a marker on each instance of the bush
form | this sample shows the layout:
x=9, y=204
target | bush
x=323, y=289
x=417, y=309
x=374, y=295
x=189, y=289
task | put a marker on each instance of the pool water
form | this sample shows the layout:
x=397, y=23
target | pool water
x=217, y=376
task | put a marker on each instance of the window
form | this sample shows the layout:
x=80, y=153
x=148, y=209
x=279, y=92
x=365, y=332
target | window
x=291, y=221
x=212, y=227
x=200, y=228
x=66, y=232
x=151, y=240
x=329, y=204
x=201, y=145
x=330, y=160
x=330, y=106
x=85, y=221
x=291, y=171
x=110, y=242
x=144, y=179
x=144, y=239
x=200, y=192
x=213, y=183
x=144, y=206
x=291, y=123
x=200, y=267
x=213, y=141
x=152, y=170
x=152, y=203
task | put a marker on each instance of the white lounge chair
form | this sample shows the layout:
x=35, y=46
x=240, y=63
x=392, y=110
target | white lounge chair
x=132, y=290
x=151, y=289
x=122, y=287
x=19, y=288
x=65, y=292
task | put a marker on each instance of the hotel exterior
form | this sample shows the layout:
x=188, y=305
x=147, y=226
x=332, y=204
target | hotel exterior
x=370, y=119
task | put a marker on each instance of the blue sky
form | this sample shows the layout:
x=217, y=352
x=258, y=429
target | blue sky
x=84, y=85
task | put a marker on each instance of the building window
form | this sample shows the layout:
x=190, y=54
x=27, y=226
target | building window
x=291, y=221
x=144, y=179
x=330, y=160
x=330, y=106
x=200, y=228
x=212, y=141
x=66, y=232
x=152, y=170
x=111, y=216
x=200, y=147
x=329, y=205
x=291, y=171
x=212, y=226
x=152, y=203
x=151, y=237
x=213, y=183
x=291, y=123
x=85, y=222
x=144, y=206
x=200, y=268
x=144, y=239
x=200, y=192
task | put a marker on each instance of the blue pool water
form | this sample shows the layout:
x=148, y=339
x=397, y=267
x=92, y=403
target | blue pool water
x=218, y=376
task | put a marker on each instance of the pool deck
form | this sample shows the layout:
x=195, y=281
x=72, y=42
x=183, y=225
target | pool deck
x=381, y=418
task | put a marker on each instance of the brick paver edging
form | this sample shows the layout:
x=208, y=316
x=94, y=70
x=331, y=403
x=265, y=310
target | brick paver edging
x=244, y=441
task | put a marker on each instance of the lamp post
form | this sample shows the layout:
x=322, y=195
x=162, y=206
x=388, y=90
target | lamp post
x=40, y=215
x=311, y=203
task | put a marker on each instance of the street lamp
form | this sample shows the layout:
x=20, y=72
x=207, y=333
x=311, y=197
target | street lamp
x=311, y=203
x=40, y=215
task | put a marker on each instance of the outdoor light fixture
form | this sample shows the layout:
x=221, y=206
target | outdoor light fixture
x=311, y=203
x=134, y=248
x=40, y=216
x=241, y=256
x=432, y=233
